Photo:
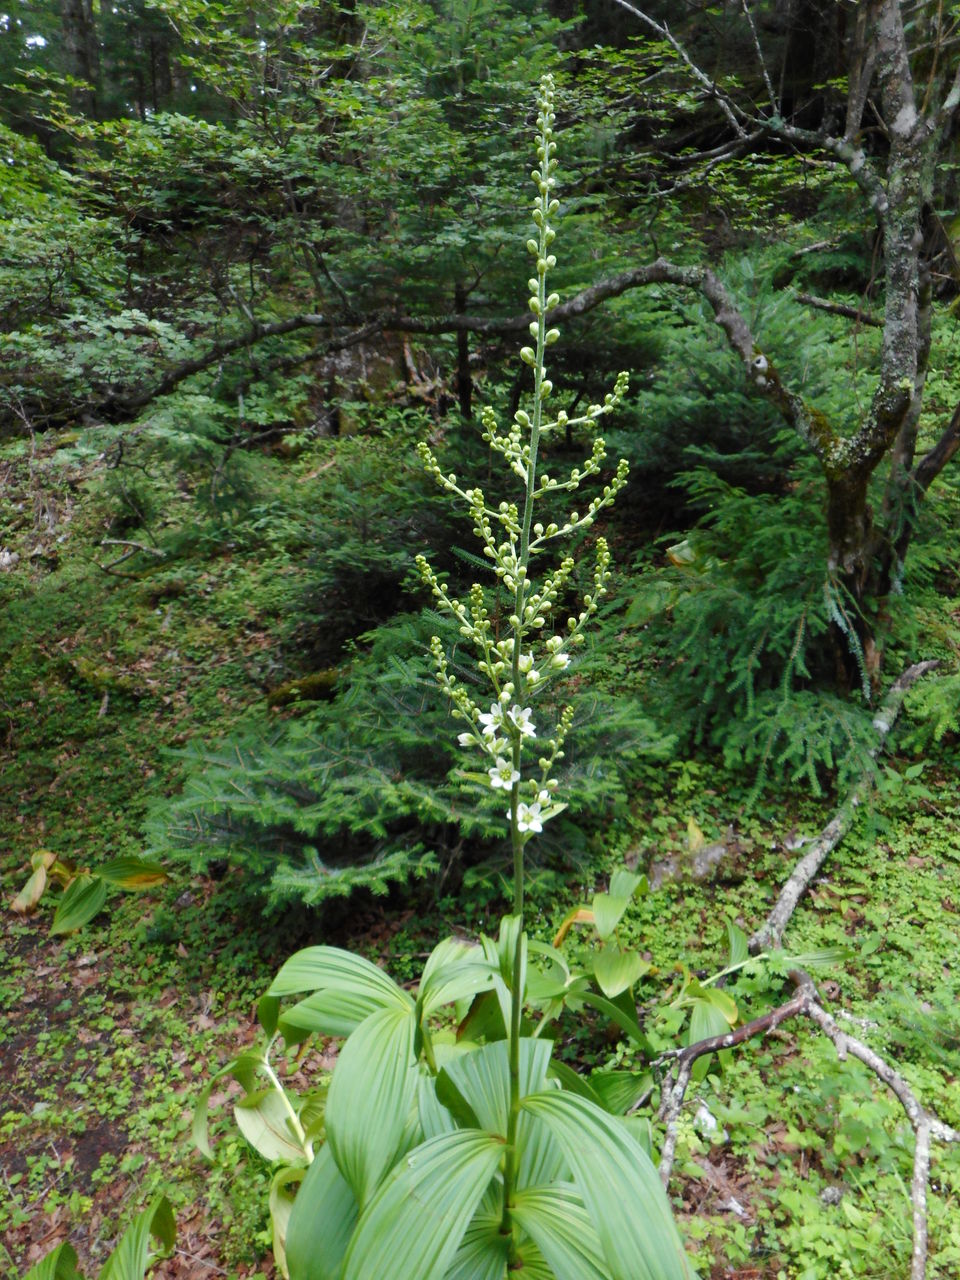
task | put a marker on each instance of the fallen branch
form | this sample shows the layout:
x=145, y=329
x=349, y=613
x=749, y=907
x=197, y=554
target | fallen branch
x=771, y=931
x=925, y=1124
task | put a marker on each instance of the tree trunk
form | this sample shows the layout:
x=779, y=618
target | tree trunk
x=82, y=49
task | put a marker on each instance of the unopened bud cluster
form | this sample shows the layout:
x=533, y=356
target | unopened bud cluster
x=538, y=647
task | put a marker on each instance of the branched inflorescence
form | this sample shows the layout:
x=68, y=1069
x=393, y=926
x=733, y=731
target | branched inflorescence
x=539, y=644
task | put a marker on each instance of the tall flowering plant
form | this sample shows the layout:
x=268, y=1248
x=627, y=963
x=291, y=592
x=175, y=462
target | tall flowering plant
x=463, y=1152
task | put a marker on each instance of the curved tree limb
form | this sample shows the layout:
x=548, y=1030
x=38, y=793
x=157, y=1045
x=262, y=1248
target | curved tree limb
x=805, y=1003
x=771, y=931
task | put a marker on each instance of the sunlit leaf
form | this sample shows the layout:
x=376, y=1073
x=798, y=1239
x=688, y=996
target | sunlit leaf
x=557, y=1221
x=134, y=1253
x=264, y=1121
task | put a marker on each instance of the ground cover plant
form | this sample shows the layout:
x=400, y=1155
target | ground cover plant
x=229, y=308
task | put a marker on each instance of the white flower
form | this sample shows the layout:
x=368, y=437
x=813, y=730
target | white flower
x=528, y=817
x=492, y=720
x=521, y=720
x=544, y=797
x=532, y=676
x=525, y=661
x=466, y=739
x=503, y=774
x=560, y=661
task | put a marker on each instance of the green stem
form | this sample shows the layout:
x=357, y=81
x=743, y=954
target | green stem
x=516, y=993
x=291, y=1114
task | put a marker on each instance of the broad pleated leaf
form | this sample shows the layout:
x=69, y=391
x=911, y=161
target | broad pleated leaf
x=706, y=1020
x=456, y=969
x=321, y=1222
x=328, y=1013
x=482, y=1079
x=132, y=1256
x=59, y=1264
x=559, y=1224
x=81, y=901
x=331, y=968
x=619, y=1090
x=414, y=1225
x=483, y=1251
x=620, y=1188
x=264, y=1121
x=371, y=1097
x=435, y=1118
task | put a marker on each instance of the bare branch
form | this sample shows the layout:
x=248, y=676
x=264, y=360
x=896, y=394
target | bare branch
x=839, y=309
x=935, y=459
x=730, y=109
x=774, y=105
x=771, y=931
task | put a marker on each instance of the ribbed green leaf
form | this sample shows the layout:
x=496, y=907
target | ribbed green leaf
x=371, y=1097
x=624, y=884
x=59, y=1264
x=607, y=912
x=620, y=1188
x=81, y=901
x=559, y=1224
x=619, y=1090
x=414, y=1225
x=706, y=1020
x=321, y=1222
x=617, y=970
x=327, y=1013
x=264, y=1121
x=739, y=944
x=455, y=969
x=331, y=968
x=134, y=1253
x=482, y=1079
x=476, y=1089
x=483, y=1253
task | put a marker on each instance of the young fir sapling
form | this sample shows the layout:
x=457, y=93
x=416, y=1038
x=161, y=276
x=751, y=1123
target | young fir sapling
x=468, y=1155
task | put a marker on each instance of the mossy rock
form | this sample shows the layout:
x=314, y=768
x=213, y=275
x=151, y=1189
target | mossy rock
x=318, y=687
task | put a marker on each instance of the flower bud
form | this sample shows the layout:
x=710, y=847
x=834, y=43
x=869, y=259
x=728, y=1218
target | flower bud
x=551, y=336
x=527, y=355
x=533, y=247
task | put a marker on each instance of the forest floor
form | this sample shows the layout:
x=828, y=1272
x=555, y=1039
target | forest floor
x=795, y=1165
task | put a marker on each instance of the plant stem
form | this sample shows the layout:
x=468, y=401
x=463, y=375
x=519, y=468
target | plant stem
x=516, y=993
x=292, y=1115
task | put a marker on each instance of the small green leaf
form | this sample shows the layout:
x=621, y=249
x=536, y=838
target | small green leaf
x=81, y=901
x=625, y=884
x=280, y=1202
x=617, y=970
x=739, y=945
x=608, y=912
x=132, y=873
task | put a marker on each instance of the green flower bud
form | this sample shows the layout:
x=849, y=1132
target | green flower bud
x=528, y=355
x=551, y=336
x=533, y=247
